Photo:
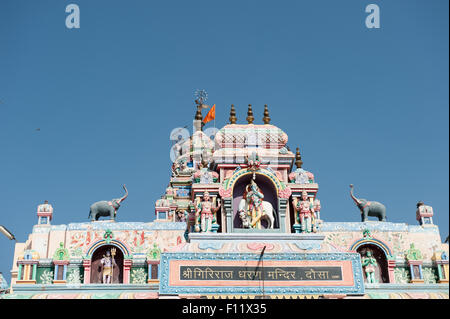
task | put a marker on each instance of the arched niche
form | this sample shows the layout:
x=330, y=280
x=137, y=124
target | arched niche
x=270, y=195
x=381, y=271
x=96, y=266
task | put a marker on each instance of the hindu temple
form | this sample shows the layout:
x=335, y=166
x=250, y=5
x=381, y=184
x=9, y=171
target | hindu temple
x=240, y=218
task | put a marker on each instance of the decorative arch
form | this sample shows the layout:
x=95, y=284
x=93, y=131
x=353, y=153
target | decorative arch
x=372, y=241
x=230, y=183
x=226, y=189
x=114, y=242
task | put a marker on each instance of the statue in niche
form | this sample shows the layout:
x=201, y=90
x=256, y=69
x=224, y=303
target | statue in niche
x=304, y=210
x=253, y=208
x=369, y=264
x=108, y=264
x=205, y=214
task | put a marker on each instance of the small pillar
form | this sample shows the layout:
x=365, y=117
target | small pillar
x=60, y=279
x=87, y=271
x=126, y=270
x=153, y=259
x=414, y=258
x=415, y=267
x=153, y=271
x=441, y=260
x=391, y=268
x=27, y=263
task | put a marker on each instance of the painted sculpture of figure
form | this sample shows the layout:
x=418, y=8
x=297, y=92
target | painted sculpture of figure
x=206, y=213
x=254, y=199
x=369, y=264
x=108, y=264
x=252, y=208
x=305, y=213
x=369, y=208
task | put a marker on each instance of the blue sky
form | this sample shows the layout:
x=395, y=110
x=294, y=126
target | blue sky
x=365, y=106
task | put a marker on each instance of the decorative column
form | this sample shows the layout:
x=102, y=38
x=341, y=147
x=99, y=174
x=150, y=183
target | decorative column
x=126, y=270
x=441, y=260
x=60, y=279
x=391, y=267
x=282, y=204
x=87, y=271
x=414, y=258
x=153, y=259
x=60, y=259
x=27, y=263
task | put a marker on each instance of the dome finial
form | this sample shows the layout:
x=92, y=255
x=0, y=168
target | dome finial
x=266, y=118
x=232, y=118
x=298, y=159
x=250, y=117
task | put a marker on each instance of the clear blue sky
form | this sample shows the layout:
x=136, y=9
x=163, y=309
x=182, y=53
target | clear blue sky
x=365, y=106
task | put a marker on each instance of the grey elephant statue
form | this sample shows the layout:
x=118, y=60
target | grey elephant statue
x=369, y=208
x=106, y=208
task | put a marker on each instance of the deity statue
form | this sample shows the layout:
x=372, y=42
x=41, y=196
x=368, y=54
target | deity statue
x=369, y=264
x=108, y=263
x=305, y=213
x=254, y=197
x=205, y=213
x=252, y=208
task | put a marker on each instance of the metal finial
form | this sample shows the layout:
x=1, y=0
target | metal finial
x=250, y=117
x=266, y=118
x=298, y=159
x=232, y=118
x=198, y=114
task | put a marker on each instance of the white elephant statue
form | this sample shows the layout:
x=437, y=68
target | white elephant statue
x=268, y=212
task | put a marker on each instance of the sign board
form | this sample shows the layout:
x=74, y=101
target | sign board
x=245, y=273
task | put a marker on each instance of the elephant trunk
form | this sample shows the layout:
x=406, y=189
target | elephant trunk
x=353, y=197
x=126, y=194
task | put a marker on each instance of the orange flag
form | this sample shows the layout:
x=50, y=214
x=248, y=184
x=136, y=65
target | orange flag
x=211, y=115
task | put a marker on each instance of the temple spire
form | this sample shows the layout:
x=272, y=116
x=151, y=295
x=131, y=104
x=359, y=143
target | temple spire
x=266, y=118
x=298, y=159
x=232, y=118
x=250, y=117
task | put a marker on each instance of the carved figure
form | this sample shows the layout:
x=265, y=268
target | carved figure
x=108, y=263
x=253, y=205
x=369, y=264
x=206, y=213
x=106, y=208
x=245, y=219
x=369, y=208
x=305, y=213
